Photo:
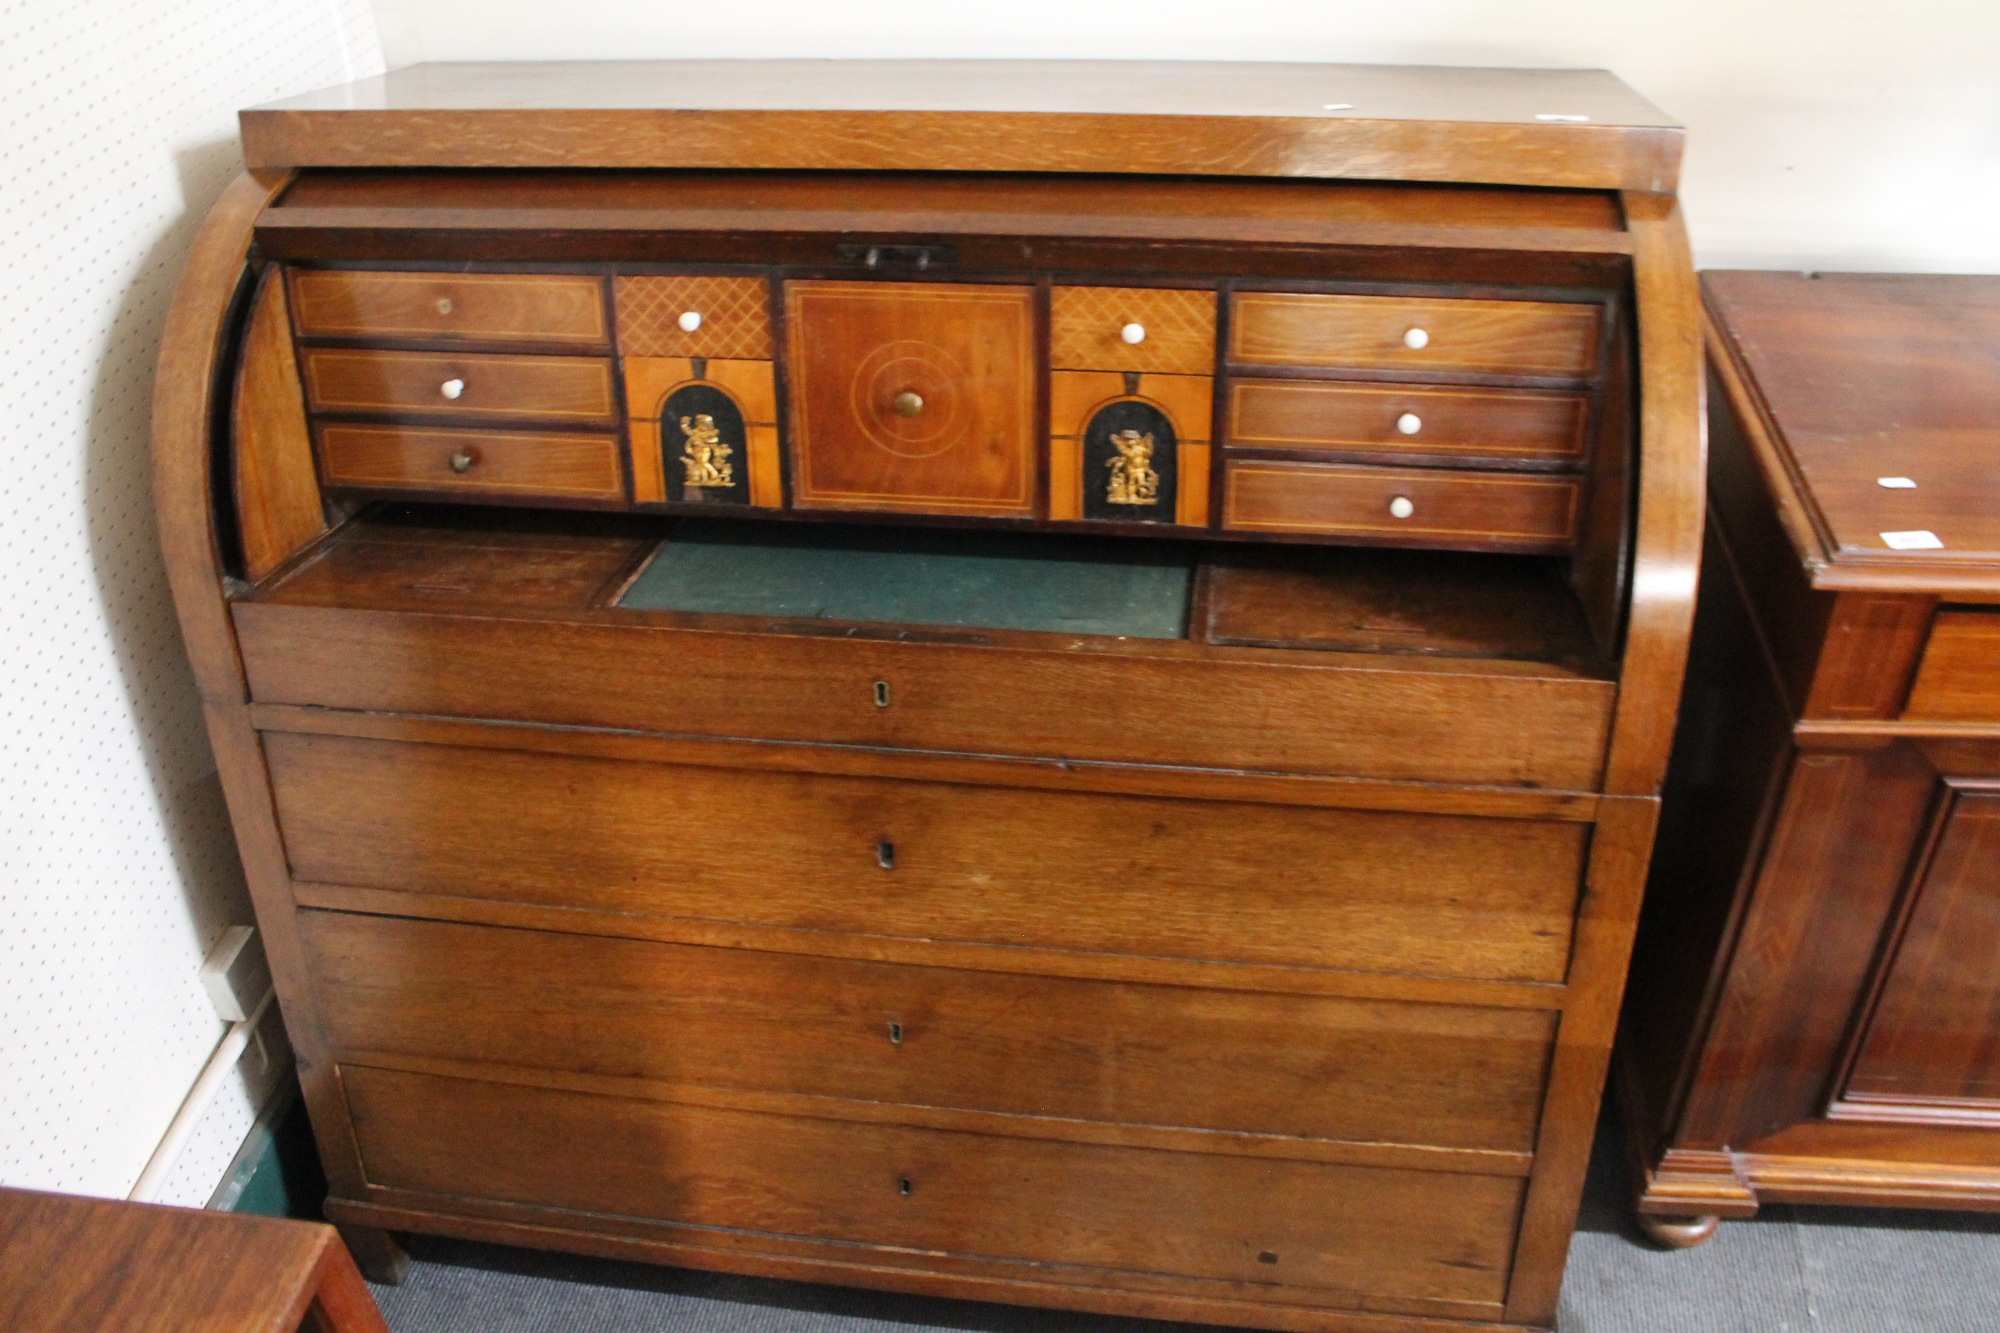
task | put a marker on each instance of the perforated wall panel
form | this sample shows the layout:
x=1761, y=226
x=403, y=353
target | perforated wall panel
x=117, y=870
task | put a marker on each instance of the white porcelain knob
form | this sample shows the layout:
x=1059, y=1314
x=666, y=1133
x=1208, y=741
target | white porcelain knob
x=1401, y=507
x=1416, y=339
x=444, y=306
x=689, y=321
x=452, y=388
x=1409, y=423
x=1133, y=333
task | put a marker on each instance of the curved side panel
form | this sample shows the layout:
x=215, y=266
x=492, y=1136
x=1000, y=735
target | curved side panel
x=184, y=390
x=1672, y=466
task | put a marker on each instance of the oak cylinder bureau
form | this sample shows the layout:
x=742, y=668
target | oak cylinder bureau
x=1039, y=682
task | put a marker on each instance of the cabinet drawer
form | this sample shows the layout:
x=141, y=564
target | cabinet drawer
x=483, y=462
x=1410, y=334
x=1272, y=1225
x=1143, y=876
x=1360, y=418
x=1959, y=679
x=731, y=316
x=1481, y=510
x=1297, y=1066
x=575, y=388
x=476, y=307
x=1176, y=330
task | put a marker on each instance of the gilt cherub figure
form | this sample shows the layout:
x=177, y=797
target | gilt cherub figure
x=704, y=453
x=1133, y=481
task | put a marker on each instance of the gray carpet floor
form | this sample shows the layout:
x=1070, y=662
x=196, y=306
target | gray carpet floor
x=1791, y=1270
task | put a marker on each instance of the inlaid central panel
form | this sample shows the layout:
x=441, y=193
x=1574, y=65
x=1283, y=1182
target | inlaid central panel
x=912, y=396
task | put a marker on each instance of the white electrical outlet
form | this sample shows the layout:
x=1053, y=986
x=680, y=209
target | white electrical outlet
x=235, y=973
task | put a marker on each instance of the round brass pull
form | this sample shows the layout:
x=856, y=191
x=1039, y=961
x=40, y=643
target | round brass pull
x=908, y=404
x=462, y=460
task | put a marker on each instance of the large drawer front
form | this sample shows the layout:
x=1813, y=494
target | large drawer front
x=1331, y=1233
x=438, y=307
x=1297, y=1066
x=1443, y=895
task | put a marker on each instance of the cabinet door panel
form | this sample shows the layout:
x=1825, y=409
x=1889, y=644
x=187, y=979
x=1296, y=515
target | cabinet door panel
x=912, y=396
x=1935, y=1034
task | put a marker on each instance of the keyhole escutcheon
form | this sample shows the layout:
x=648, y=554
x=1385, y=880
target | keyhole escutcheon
x=881, y=694
x=895, y=1034
x=885, y=855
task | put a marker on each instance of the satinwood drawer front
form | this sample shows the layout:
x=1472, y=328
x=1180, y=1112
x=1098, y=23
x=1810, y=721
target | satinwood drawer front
x=483, y=462
x=1329, y=1233
x=476, y=307
x=1143, y=876
x=917, y=397
x=1959, y=679
x=1299, y=1066
x=1156, y=330
x=574, y=388
x=1478, y=510
x=1413, y=334
x=1499, y=424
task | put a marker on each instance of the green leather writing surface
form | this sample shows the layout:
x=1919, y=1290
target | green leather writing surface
x=906, y=576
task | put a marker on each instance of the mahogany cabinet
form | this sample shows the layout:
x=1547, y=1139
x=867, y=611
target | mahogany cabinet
x=1814, y=1012
x=1081, y=729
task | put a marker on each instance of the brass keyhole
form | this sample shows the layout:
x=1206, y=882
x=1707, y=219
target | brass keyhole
x=908, y=404
x=881, y=694
x=903, y=1186
x=895, y=1034
x=885, y=855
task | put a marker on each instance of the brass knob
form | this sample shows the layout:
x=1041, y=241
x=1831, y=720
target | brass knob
x=908, y=404
x=461, y=460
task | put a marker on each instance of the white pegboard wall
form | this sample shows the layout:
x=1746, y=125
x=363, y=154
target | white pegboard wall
x=117, y=868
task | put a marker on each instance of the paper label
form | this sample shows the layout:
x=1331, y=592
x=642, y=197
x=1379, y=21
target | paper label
x=1912, y=541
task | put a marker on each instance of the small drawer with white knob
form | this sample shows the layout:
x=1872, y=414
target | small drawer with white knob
x=1488, y=511
x=518, y=308
x=1157, y=330
x=693, y=314
x=498, y=464
x=1410, y=334
x=1502, y=425
x=554, y=388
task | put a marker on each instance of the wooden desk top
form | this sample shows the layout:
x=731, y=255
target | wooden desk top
x=77, y=1265
x=1574, y=128
x=1846, y=379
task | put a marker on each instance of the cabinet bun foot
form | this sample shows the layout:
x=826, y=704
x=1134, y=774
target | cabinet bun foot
x=1678, y=1233
x=379, y=1255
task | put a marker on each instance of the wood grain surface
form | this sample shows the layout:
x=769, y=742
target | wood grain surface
x=1283, y=1067
x=1372, y=333
x=81, y=1265
x=278, y=507
x=1472, y=898
x=1105, y=116
x=482, y=307
x=1494, y=511
x=1959, y=679
x=1496, y=425
x=963, y=353
x=1433, y=1234
x=555, y=388
x=527, y=465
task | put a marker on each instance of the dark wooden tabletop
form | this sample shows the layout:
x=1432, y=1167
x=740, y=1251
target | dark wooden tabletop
x=1879, y=395
x=76, y=1265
